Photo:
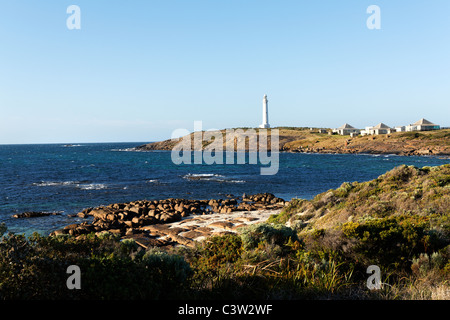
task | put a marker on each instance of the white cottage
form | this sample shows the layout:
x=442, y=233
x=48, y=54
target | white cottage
x=380, y=128
x=346, y=129
x=422, y=125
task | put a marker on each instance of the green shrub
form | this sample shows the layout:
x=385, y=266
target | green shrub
x=424, y=263
x=175, y=265
x=27, y=274
x=278, y=234
x=218, y=251
x=295, y=205
x=344, y=190
x=392, y=240
x=2, y=229
x=35, y=268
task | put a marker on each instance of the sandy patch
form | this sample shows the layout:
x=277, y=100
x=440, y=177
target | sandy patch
x=199, y=227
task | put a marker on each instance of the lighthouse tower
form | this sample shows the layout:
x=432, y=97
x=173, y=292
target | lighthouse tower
x=265, y=123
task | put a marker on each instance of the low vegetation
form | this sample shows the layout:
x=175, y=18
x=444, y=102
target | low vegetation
x=405, y=190
x=298, y=139
x=314, y=249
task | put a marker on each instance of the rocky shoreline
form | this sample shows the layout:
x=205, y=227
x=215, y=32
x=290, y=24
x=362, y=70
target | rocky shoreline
x=345, y=149
x=172, y=222
x=407, y=151
x=424, y=143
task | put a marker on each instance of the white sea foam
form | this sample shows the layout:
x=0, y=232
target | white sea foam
x=76, y=184
x=92, y=186
x=202, y=176
x=236, y=181
x=211, y=177
x=125, y=149
x=54, y=183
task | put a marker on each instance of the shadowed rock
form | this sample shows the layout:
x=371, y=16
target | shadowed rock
x=33, y=214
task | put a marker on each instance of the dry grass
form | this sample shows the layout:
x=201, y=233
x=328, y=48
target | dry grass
x=403, y=190
x=305, y=140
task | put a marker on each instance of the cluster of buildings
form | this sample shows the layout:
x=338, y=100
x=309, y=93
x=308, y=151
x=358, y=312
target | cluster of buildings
x=346, y=129
x=381, y=128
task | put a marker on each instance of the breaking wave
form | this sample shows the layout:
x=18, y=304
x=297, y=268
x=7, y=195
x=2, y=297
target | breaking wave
x=54, y=183
x=125, y=150
x=92, y=186
x=76, y=184
x=211, y=177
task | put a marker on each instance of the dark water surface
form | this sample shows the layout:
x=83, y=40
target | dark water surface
x=68, y=178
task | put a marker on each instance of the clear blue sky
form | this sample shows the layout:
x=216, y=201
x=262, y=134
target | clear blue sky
x=137, y=70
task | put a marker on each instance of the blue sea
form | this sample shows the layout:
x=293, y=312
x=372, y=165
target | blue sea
x=69, y=178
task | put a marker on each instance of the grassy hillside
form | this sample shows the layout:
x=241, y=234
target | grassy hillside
x=405, y=190
x=305, y=140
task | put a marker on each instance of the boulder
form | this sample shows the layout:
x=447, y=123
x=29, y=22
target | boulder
x=59, y=232
x=128, y=223
x=99, y=213
x=176, y=230
x=81, y=215
x=192, y=234
x=182, y=240
x=148, y=221
x=184, y=214
x=135, y=209
x=204, y=230
x=169, y=217
x=71, y=226
x=83, y=229
x=136, y=221
x=222, y=225
x=213, y=202
x=34, y=214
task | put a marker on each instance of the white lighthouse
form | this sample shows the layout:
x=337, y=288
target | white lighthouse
x=265, y=123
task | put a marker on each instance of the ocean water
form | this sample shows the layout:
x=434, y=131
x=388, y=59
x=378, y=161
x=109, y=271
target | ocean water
x=69, y=178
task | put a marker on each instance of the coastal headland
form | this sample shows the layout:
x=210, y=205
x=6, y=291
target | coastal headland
x=307, y=140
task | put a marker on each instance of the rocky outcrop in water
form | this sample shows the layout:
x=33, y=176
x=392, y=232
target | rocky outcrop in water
x=134, y=218
x=34, y=214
